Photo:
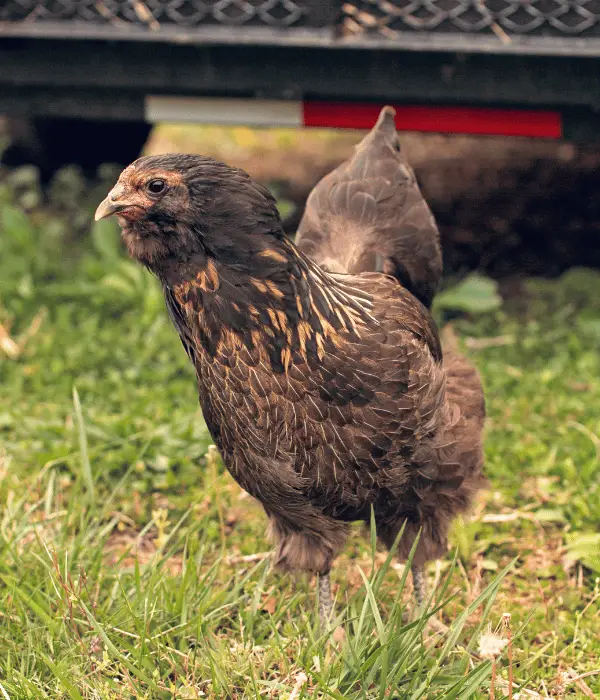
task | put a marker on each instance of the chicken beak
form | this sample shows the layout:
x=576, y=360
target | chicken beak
x=107, y=207
x=115, y=202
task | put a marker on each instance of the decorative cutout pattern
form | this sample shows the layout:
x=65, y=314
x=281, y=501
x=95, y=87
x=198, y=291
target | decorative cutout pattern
x=537, y=17
x=188, y=13
x=575, y=18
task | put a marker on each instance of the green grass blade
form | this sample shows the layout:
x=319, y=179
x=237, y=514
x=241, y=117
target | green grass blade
x=74, y=694
x=83, y=449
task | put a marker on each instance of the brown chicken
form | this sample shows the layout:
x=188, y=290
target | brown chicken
x=326, y=394
x=369, y=215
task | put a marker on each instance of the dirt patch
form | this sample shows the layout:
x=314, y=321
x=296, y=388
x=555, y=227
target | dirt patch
x=126, y=547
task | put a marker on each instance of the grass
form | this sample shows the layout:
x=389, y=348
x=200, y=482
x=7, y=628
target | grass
x=133, y=566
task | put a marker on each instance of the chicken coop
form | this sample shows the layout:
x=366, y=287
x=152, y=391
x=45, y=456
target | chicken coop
x=516, y=67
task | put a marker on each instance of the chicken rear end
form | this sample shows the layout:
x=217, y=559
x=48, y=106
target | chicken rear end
x=449, y=491
x=369, y=215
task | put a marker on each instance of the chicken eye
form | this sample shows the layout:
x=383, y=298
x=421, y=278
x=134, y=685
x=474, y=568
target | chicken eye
x=156, y=186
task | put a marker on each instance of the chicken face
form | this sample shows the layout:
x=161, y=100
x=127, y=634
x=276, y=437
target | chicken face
x=148, y=200
x=136, y=194
x=181, y=205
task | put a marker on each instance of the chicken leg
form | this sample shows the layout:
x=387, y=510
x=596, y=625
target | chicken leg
x=419, y=578
x=325, y=602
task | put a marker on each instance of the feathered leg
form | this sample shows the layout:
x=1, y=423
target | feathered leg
x=420, y=587
x=419, y=584
x=325, y=601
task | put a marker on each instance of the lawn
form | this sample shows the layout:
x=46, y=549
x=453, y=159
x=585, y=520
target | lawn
x=132, y=565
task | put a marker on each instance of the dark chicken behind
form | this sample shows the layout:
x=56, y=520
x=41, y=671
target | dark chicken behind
x=326, y=394
x=369, y=215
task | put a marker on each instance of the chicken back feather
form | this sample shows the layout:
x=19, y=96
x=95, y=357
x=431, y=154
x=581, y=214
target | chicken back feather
x=369, y=215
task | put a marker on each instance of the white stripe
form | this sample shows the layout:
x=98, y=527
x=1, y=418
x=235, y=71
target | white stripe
x=208, y=110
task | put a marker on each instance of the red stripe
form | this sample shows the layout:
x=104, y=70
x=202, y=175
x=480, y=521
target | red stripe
x=447, y=120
